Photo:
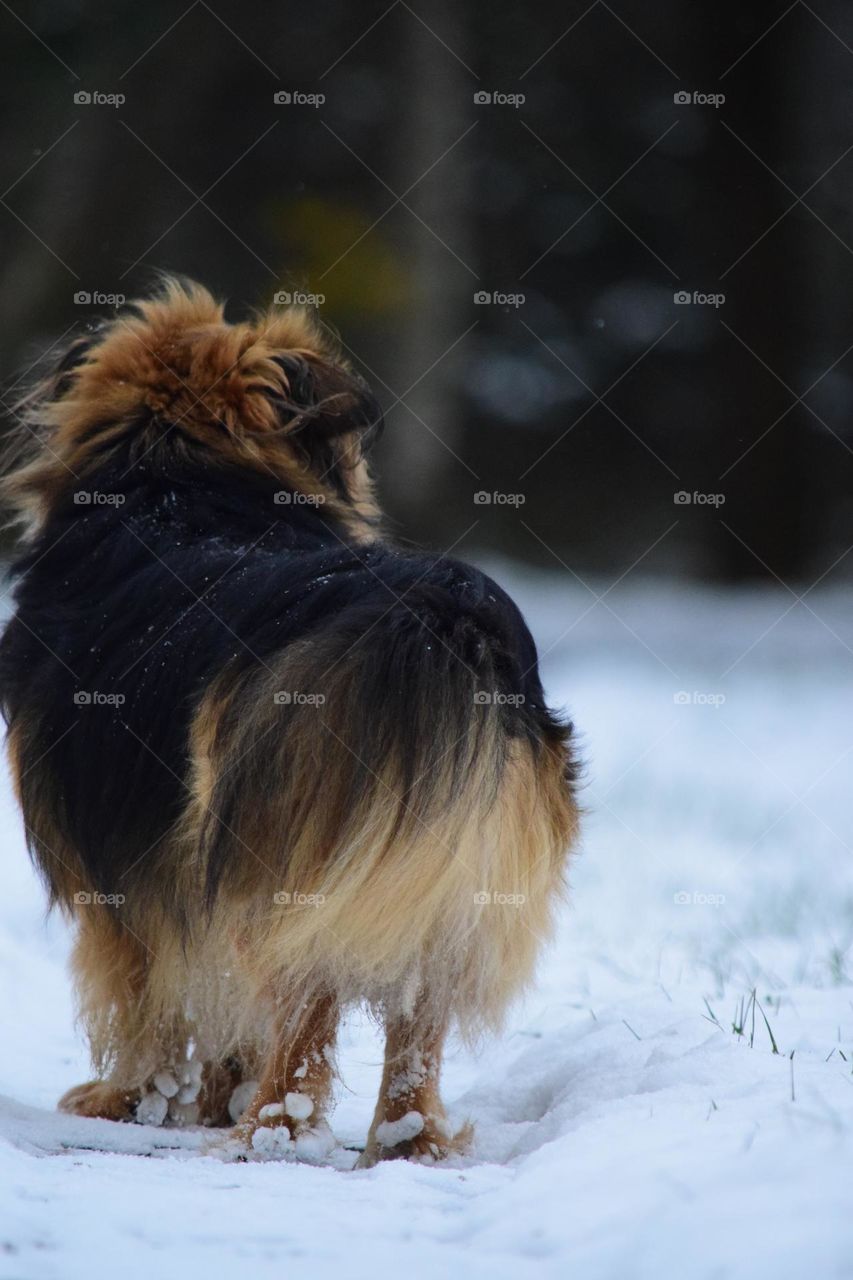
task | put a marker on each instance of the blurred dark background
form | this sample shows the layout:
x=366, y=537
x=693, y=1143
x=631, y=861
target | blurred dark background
x=583, y=393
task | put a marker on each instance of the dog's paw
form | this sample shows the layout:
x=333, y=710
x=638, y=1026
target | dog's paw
x=314, y=1143
x=413, y=1137
x=100, y=1100
x=286, y=1130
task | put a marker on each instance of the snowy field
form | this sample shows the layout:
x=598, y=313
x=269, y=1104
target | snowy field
x=645, y=1114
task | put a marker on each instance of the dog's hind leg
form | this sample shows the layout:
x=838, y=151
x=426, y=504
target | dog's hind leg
x=295, y=1089
x=109, y=968
x=100, y=1099
x=410, y=1121
x=129, y=1042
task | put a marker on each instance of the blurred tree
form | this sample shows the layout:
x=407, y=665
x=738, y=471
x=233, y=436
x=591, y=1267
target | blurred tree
x=600, y=196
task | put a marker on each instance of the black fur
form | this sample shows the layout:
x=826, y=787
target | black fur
x=199, y=569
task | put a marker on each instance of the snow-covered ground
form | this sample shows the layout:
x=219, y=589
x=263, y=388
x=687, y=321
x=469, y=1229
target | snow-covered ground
x=635, y=1120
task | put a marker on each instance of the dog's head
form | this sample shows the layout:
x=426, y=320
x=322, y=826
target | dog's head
x=172, y=377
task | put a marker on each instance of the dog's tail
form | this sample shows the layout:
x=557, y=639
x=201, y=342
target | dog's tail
x=387, y=808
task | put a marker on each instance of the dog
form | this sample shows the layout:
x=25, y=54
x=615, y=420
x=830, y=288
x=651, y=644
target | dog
x=270, y=765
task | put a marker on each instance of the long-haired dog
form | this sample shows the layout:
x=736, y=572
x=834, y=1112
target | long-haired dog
x=270, y=764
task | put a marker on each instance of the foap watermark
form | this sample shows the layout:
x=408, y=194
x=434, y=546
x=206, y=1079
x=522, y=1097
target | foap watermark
x=697, y=898
x=284, y=899
x=94, y=698
x=696, y=98
x=497, y=98
x=684, y=499
x=485, y=898
x=296, y=98
x=684, y=698
x=86, y=899
x=494, y=698
x=696, y=298
x=291, y=498
x=494, y=298
x=297, y=298
x=293, y=698
x=95, y=298
x=97, y=498
x=482, y=498
x=94, y=98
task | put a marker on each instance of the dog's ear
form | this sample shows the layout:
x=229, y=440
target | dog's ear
x=299, y=377
x=331, y=415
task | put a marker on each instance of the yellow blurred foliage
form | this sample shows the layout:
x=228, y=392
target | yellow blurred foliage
x=332, y=249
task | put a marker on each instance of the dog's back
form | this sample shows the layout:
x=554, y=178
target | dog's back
x=271, y=764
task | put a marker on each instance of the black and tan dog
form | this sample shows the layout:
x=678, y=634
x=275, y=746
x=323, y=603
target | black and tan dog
x=270, y=764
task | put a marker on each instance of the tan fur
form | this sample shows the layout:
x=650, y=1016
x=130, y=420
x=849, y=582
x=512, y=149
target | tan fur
x=177, y=361
x=100, y=1099
x=300, y=1062
x=145, y=999
x=401, y=927
x=410, y=1083
x=441, y=921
